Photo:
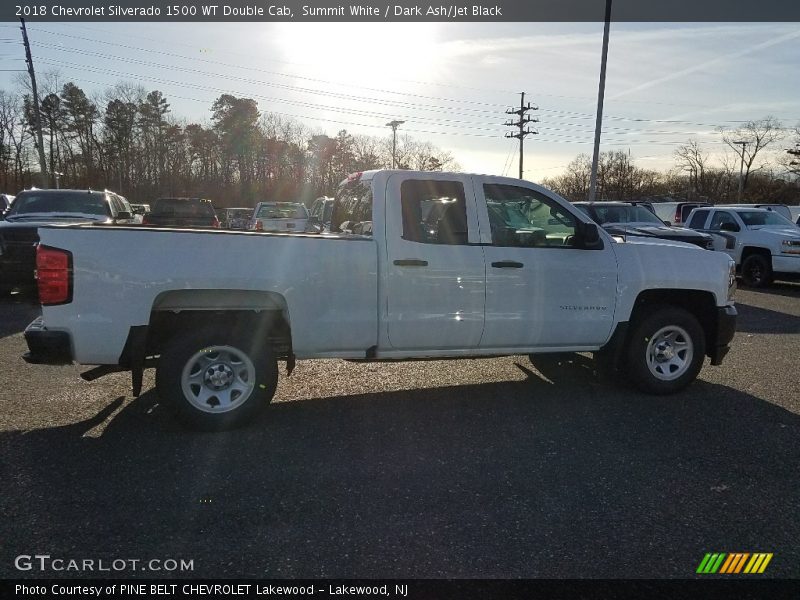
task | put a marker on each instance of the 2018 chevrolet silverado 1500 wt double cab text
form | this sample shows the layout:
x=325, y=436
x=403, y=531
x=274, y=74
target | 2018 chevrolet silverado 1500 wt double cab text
x=452, y=265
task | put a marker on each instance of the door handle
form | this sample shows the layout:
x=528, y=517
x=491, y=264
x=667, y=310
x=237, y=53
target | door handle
x=507, y=264
x=411, y=262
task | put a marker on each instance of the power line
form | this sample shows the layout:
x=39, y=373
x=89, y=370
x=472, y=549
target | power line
x=276, y=73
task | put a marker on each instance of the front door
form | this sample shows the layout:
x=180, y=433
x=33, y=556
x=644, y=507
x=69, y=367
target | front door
x=542, y=290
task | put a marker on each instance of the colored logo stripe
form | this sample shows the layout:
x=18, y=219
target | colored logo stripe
x=710, y=563
x=722, y=563
x=758, y=563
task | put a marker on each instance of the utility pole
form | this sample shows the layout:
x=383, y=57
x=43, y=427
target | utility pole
x=523, y=120
x=601, y=92
x=38, y=125
x=741, y=170
x=394, y=125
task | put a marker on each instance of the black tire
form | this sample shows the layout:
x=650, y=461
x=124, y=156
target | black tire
x=665, y=367
x=757, y=271
x=211, y=353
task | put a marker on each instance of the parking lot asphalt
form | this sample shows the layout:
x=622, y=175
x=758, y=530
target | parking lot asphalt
x=469, y=468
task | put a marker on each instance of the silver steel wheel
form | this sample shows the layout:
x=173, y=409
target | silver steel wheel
x=218, y=379
x=669, y=353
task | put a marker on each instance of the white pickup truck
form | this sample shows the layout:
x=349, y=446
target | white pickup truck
x=764, y=244
x=452, y=265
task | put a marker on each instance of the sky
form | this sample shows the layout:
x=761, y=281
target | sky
x=450, y=82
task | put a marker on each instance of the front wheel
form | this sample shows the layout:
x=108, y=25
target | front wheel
x=757, y=271
x=215, y=380
x=666, y=351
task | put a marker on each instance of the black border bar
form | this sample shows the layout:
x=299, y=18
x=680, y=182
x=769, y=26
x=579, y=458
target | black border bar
x=742, y=588
x=400, y=10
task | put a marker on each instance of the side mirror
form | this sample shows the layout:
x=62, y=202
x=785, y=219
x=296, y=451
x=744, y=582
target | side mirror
x=590, y=236
x=123, y=215
x=732, y=227
x=668, y=223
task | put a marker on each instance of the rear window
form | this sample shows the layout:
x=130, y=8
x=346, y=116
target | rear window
x=180, y=207
x=625, y=214
x=68, y=202
x=282, y=211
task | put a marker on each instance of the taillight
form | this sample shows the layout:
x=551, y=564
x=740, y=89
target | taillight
x=259, y=226
x=145, y=220
x=215, y=223
x=677, y=218
x=53, y=275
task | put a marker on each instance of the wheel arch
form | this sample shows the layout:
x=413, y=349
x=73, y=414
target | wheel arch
x=247, y=311
x=750, y=250
x=700, y=303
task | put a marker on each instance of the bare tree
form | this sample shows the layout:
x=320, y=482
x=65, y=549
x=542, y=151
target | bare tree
x=749, y=140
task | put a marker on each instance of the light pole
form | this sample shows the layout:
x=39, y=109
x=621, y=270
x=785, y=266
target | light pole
x=394, y=125
x=57, y=175
x=741, y=170
x=600, y=95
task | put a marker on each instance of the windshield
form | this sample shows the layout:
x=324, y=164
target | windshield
x=761, y=218
x=66, y=203
x=282, y=211
x=625, y=214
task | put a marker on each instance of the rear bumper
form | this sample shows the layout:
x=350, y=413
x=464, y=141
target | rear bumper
x=47, y=347
x=726, y=328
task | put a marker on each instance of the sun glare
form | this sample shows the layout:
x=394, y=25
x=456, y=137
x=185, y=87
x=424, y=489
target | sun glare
x=382, y=52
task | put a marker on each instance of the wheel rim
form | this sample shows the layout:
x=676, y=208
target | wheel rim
x=669, y=353
x=218, y=379
x=755, y=272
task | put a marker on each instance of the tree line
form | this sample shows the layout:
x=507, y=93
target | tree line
x=130, y=142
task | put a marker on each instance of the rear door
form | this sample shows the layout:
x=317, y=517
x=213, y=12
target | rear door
x=436, y=280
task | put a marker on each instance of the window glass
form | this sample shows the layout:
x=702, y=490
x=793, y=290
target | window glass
x=698, y=219
x=759, y=218
x=523, y=217
x=353, y=210
x=720, y=217
x=182, y=207
x=282, y=210
x=59, y=202
x=434, y=212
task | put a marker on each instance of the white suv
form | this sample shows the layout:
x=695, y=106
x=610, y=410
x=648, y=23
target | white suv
x=764, y=244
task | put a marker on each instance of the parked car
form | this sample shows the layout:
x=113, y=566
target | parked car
x=5, y=202
x=237, y=218
x=321, y=211
x=189, y=213
x=139, y=211
x=675, y=213
x=286, y=217
x=561, y=284
x=764, y=244
x=34, y=208
x=632, y=218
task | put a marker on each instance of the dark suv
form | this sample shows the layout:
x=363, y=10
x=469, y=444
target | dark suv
x=32, y=208
x=181, y=212
x=635, y=218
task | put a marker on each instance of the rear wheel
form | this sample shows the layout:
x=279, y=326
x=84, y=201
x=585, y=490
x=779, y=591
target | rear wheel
x=757, y=271
x=216, y=380
x=665, y=351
